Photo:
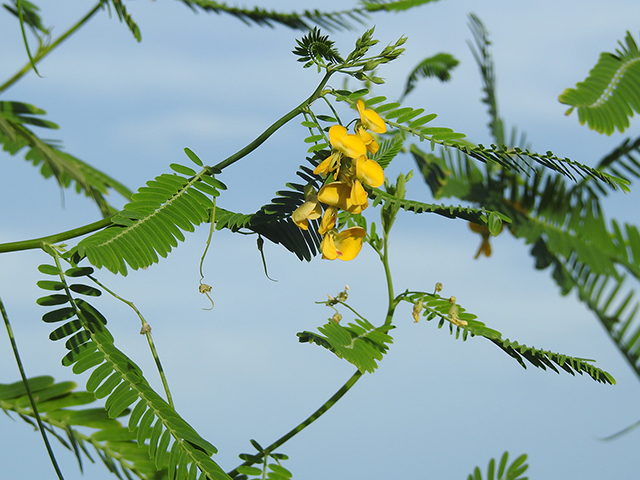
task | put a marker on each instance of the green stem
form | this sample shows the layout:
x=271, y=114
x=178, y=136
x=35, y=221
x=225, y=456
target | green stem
x=312, y=418
x=152, y=346
x=275, y=126
x=206, y=248
x=25, y=381
x=384, y=256
x=43, y=51
x=55, y=238
x=51, y=239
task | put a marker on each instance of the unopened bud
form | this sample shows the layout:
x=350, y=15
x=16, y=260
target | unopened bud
x=417, y=308
x=336, y=317
x=342, y=296
x=438, y=287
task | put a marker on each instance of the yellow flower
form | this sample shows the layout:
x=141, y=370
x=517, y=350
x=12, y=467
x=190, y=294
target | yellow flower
x=309, y=210
x=340, y=194
x=344, y=245
x=370, y=119
x=350, y=145
x=485, y=246
x=369, y=172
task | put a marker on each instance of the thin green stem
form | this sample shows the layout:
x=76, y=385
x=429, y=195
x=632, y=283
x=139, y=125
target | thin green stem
x=208, y=243
x=25, y=381
x=55, y=238
x=43, y=51
x=312, y=418
x=274, y=127
x=384, y=257
x=146, y=330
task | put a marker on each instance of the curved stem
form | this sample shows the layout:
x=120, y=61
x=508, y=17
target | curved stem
x=146, y=330
x=55, y=238
x=275, y=126
x=384, y=258
x=312, y=418
x=43, y=51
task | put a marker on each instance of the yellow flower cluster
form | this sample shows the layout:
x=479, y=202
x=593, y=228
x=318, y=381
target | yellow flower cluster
x=350, y=168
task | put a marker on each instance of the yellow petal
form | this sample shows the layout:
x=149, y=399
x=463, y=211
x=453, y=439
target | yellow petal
x=335, y=194
x=369, y=172
x=370, y=119
x=309, y=210
x=328, y=247
x=348, y=144
x=358, y=194
x=348, y=243
x=365, y=136
x=327, y=165
x=328, y=220
x=303, y=223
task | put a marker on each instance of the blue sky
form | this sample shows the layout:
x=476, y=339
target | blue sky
x=437, y=407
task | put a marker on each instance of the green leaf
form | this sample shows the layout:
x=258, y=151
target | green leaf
x=49, y=270
x=610, y=95
x=50, y=285
x=182, y=169
x=52, y=300
x=17, y=389
x=78, y=272
x=439, y=66
x=85, y=290
x=193, y=157
x=361, y=344
x=59, y=315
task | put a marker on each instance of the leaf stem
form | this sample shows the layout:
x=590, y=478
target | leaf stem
x=55, y=238
x=275, y=126
x=152, y=346
x=312, y=418
x=25, y=381
x=43, y=51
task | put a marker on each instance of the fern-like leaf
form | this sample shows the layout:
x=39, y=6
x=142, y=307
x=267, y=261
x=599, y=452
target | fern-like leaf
x=483, y=58
x=504, y=472
x=316, y=48
x=65, y=168
x=394, y=5
x=62, y=409
x=439, y=66
x=115, y=377
x=153, y=222
x=610, y=95
x=30, y=16
x=471, y=214
x=465, y=324
x=124, y=16
x=273, y=221
x=360, y=343
x=305, y=20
